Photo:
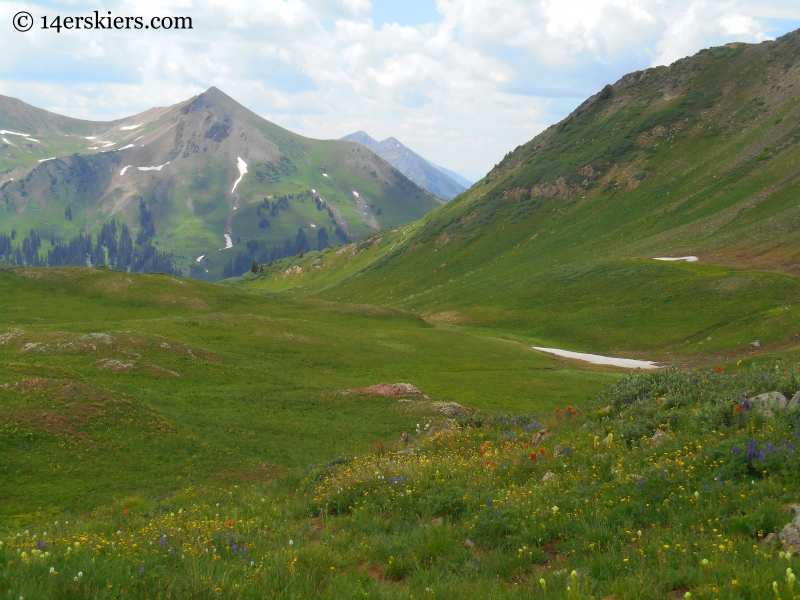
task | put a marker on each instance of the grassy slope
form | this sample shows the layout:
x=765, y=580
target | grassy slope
x=555, y=244
x=217, y=383
x=485, y=508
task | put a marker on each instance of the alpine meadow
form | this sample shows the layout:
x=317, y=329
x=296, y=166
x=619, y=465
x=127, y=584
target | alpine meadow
x=237, y=362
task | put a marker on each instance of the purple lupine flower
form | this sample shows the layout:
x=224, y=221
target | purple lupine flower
x=640, y=484
x=735, y=450
x=719, y=478
x=234, y=548
x=490, y=502
x=663, y=474
x=746, y=405
x=41, y=544
x=162, y=541
x=141, y=569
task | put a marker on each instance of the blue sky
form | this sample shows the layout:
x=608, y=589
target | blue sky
x=459, y=81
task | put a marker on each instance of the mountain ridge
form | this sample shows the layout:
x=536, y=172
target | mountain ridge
x=417, y=168
x=175, y=168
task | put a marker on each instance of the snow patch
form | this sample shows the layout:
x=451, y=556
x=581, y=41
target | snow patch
x=314, y=226
x=33, y=140
x=355, y=193
x=324, y=174
x=683, y=258
x=129, y=127
x=91, y=137
x=597, y=359
x=126, y=147
x=46, y=159
x=125, y=168
x=228, y=242
x=138, y=138
x=201, y=257
x=158, y=168
x=6, y=141
x=7, y=132
x=92, y=148
x=109, y=144
x=242, y=170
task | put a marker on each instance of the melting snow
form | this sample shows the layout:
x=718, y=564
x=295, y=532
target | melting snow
x=129, y=127
x=126, y=147
x=30, y=139
x=6, y=141
x=683, y=258
x=242, y=170
x=138, y=138
x=324, y=174
x=201, y=257
x=91, y=137
x=314, y=226
x=92, y=148
x=108, y=144
x=5, y=131
x=125, y=168
x=46, y=159
x=355, y=193
x=228, y=242
x=597, y=359
x=158, y=168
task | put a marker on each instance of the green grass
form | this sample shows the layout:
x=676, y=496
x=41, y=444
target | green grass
x=467, y=511
x=217, y=383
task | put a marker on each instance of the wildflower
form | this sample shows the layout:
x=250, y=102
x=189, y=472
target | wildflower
x=532, y=456
x=735, y=450
x=162, y=541
x=229, y=523
x=719, y=369
x=555, y=510
x=41, y=544
x=543, y=583
x=687, y=595
x=541, y=451
x=704, y=562
x=52, y=570
x=141, y=569
x=291, y=542
x=640, y=484
x=775, y=588
x=737, y=409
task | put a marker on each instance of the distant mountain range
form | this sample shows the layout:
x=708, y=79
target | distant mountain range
x=437, y=180
x=204, y=186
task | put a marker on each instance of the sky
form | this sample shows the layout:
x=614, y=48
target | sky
x=461, y=82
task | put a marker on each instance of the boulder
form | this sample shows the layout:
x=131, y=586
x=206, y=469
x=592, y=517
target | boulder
x=756, y=344
x=540, y=436
x=795, y=401
x=549, y=476
x=790, y=536
x=659, y=437
x=766, y=404
x=770, y=539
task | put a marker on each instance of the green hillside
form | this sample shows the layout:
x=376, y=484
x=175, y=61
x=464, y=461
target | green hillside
x=556, y=244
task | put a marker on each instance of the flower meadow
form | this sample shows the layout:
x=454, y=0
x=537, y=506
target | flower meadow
x=667, y=486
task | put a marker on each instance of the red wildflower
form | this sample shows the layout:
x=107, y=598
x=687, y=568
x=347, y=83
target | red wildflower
x=719, y=369
x=480, y=452
x=125, y=511
x=559, y=411
x=533, y=456
x=229, y=523
x=737, y=409
x=541, y=451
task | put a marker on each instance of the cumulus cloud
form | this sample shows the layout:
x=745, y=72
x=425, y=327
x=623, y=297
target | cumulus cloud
x=461, y=90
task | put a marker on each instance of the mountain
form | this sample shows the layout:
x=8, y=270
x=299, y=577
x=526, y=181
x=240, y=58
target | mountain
x=205, y=186
x=557, y=243
x=436, y=180
x=455, y=176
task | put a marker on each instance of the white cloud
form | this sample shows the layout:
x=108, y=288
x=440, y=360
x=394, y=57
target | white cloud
x=324, y=69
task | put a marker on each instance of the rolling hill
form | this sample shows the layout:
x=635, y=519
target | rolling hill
x=205, y=186
x=557, y=243
x=436, y=180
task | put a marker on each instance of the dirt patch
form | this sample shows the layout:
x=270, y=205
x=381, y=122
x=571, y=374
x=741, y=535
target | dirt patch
x=389, y=390
x=261, y=473
x=449, y=316
x=156, y=370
